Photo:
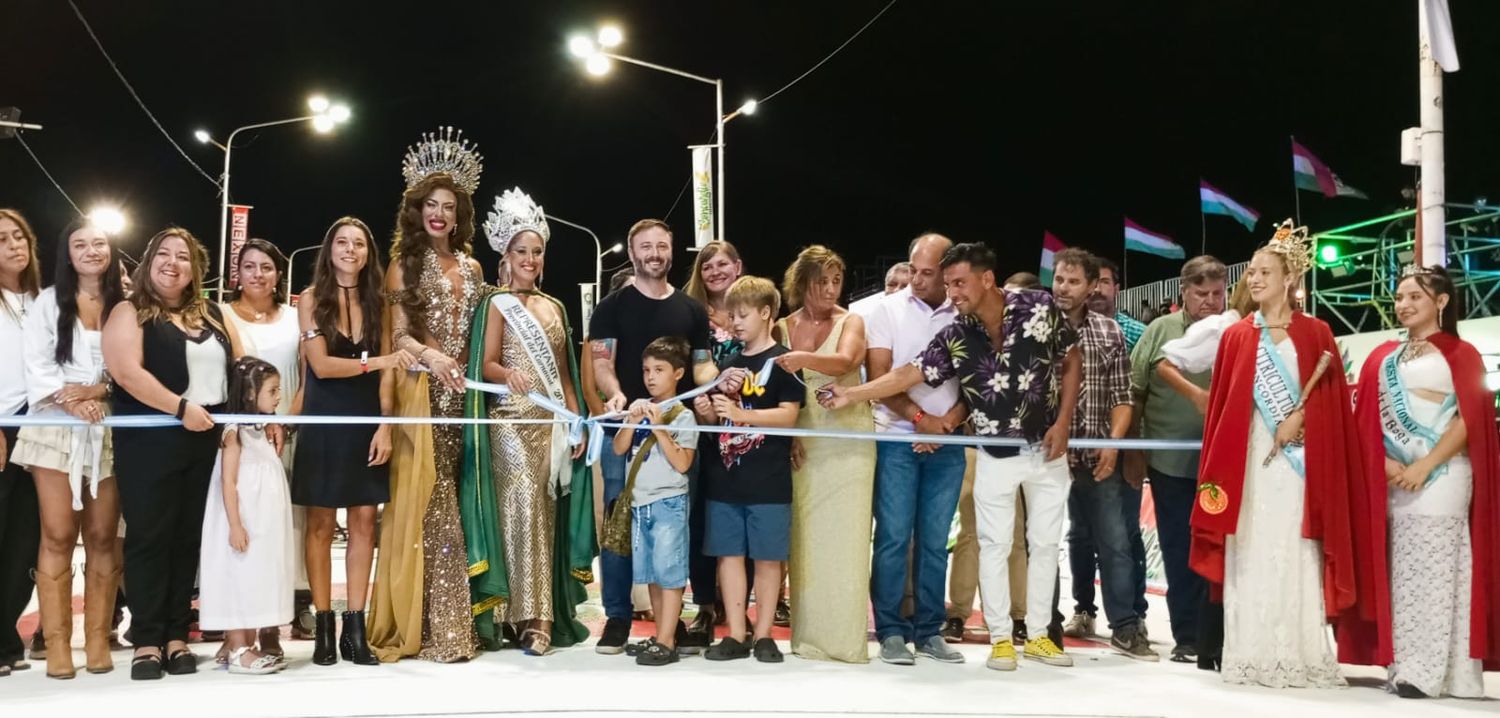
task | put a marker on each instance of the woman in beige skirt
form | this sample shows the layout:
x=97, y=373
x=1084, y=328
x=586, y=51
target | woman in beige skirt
x=72, y=465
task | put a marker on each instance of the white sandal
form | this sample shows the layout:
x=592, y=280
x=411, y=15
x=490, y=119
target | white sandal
x=258, y=667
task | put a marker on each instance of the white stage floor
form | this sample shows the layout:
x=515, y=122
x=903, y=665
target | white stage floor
x=578, y=681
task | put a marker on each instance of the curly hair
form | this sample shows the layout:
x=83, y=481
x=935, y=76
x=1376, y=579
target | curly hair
x=810, y=264
x=412, y=241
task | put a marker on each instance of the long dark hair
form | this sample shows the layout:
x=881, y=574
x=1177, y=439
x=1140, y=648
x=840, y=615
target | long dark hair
x=325, y=287
x=411, y=241
x=65, y=286
x=246, y=378
x=278, y=291
x=1434, y=280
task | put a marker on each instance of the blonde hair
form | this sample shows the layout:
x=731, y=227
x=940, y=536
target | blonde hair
x=1240, y=300
x=695, y=287
x=31, y=276
x=753, y=292
x=810, y=264
x=194, y=307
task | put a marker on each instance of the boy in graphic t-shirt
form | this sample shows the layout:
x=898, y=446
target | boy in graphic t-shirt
x=749, y=478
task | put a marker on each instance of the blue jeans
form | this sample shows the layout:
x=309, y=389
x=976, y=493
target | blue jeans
x=1082, y=555
x=915, y=498
x=1174, y=496
x=1095, y=506
x=615, y=569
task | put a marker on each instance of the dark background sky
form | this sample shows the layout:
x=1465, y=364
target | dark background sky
x=987, y=121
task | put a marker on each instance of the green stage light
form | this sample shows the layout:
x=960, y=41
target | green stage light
x=1328, y=253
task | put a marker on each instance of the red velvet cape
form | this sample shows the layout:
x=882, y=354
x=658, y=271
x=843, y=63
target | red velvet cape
x=1334, y=483
x=1364, y=636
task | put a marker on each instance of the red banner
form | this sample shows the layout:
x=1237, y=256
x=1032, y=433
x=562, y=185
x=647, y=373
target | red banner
x=239, y=231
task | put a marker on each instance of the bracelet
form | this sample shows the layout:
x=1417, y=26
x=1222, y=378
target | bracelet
x=364, y=362
x=920, y=415
x=181, y=407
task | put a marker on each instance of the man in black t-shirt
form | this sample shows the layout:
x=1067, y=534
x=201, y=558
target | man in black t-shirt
x=622, y=325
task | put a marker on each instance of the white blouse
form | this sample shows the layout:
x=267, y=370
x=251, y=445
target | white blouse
x=44, y=375
x=278, y=343
x=208, y=382
x=12, y=342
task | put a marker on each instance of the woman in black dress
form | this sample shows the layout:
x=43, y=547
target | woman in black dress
x=350, y=372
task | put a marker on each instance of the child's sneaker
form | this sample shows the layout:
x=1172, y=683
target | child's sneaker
x=1002, y=656
x=656, y=654
x=727, y=649
x=767, y=652
x=1043, y=649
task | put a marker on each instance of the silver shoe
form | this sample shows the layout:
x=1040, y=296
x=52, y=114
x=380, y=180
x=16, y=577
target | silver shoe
x=893, y=651
x=938, y=650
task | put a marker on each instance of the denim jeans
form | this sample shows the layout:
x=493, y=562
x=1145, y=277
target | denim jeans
x=1082, y=555
x=1095, y=506
x=1174, y=496
x=1131, y=505
x=615, y=569
x=915, y=498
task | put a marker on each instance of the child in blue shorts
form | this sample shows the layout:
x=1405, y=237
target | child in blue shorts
x=749, y=480
x=660, y=446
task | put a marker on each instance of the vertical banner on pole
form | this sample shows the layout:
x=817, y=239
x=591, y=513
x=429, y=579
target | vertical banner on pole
x=239, y=231
x=703, y=196
x=587, y=299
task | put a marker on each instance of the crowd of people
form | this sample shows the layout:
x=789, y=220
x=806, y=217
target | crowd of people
x=1305, y=509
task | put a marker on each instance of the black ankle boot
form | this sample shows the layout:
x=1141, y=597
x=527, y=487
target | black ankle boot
x=324, y=653
x=353, y=645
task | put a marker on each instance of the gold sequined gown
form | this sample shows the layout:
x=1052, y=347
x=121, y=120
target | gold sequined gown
x=521, y=457
x=832, y=499
x=448, y=625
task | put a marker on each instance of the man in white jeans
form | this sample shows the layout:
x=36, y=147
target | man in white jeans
x=1015, y=357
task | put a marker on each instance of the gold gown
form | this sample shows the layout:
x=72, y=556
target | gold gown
x=832, y=497
x=522, y=461
x=422, y=550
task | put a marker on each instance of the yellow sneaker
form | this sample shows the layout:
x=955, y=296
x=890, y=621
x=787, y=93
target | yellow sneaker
x=1002, y=656
x=1043, y=649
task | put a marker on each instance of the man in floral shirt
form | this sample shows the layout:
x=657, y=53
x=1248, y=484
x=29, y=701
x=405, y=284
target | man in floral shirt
x=1019, y=370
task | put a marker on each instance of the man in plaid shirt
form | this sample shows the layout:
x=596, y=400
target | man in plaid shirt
x=1103, y=411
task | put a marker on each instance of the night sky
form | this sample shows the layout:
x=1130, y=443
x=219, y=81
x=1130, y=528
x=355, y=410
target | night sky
x=988, y=121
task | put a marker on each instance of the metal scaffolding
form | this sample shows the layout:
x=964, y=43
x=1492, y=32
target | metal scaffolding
x=1357, y=266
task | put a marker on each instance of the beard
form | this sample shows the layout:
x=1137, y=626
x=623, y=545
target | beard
x=645, y=270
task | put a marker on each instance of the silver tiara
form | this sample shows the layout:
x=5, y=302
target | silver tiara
x=515, y=212
x=444, y=151
x=1415, y=270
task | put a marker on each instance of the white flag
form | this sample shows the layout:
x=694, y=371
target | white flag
x=1440, y=34
x=703, y=196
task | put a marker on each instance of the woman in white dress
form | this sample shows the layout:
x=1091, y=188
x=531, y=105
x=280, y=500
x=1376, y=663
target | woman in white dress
x=1271, y=524
x=1427, y=422
x=246, y=562
x=73, y=466
x=268, y=329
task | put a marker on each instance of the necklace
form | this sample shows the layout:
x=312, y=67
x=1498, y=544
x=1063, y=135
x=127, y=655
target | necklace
x=1414, y=349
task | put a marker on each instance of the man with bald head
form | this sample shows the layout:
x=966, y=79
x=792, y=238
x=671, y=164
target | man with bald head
x=916, y=485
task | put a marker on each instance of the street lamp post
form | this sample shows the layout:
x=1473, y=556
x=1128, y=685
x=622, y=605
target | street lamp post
x=290, y=263
x=599, y=253
x=596, y=56
x=324, y=117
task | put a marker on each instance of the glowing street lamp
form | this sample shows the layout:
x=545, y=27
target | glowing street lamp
x=109, y=219
x=597, y=55
x=326, y=116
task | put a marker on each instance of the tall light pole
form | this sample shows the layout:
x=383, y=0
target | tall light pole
x=325, y=116
x=290, y=259
x=599, y=252
x=597, y=54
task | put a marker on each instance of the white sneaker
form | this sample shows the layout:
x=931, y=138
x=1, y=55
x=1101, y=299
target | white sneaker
x=1081, y=625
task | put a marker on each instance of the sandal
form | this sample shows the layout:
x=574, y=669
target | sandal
x=145, y=667
x=183, y=662
x=262, y=665
x=536, y=642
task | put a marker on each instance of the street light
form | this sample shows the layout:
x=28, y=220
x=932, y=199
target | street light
x=291, y=262
x=599, y=252
x=596, y=55
x=108, y=219
x=326, y=115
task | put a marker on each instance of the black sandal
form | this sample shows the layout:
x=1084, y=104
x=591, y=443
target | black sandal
x=145, y=667
x=766, y=651
x=182, y=663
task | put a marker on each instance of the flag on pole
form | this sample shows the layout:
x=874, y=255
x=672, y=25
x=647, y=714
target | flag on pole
x=1051, y=245
x=1440, y=34
x=1213, y=201
x=1311, y=174
x=1141, y=239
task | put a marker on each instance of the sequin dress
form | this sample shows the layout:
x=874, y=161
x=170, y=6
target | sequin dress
x=522, y=461
x=447, y=623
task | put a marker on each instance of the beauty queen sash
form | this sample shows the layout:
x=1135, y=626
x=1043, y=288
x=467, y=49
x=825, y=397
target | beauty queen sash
x=534, y=341
x=1276, y=393
x=1407, y=439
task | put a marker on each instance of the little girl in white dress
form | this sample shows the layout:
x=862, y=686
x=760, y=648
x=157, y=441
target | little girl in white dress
x=246, y=571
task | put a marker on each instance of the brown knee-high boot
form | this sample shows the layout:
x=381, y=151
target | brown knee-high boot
x=55, y=596
x=98, y=610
